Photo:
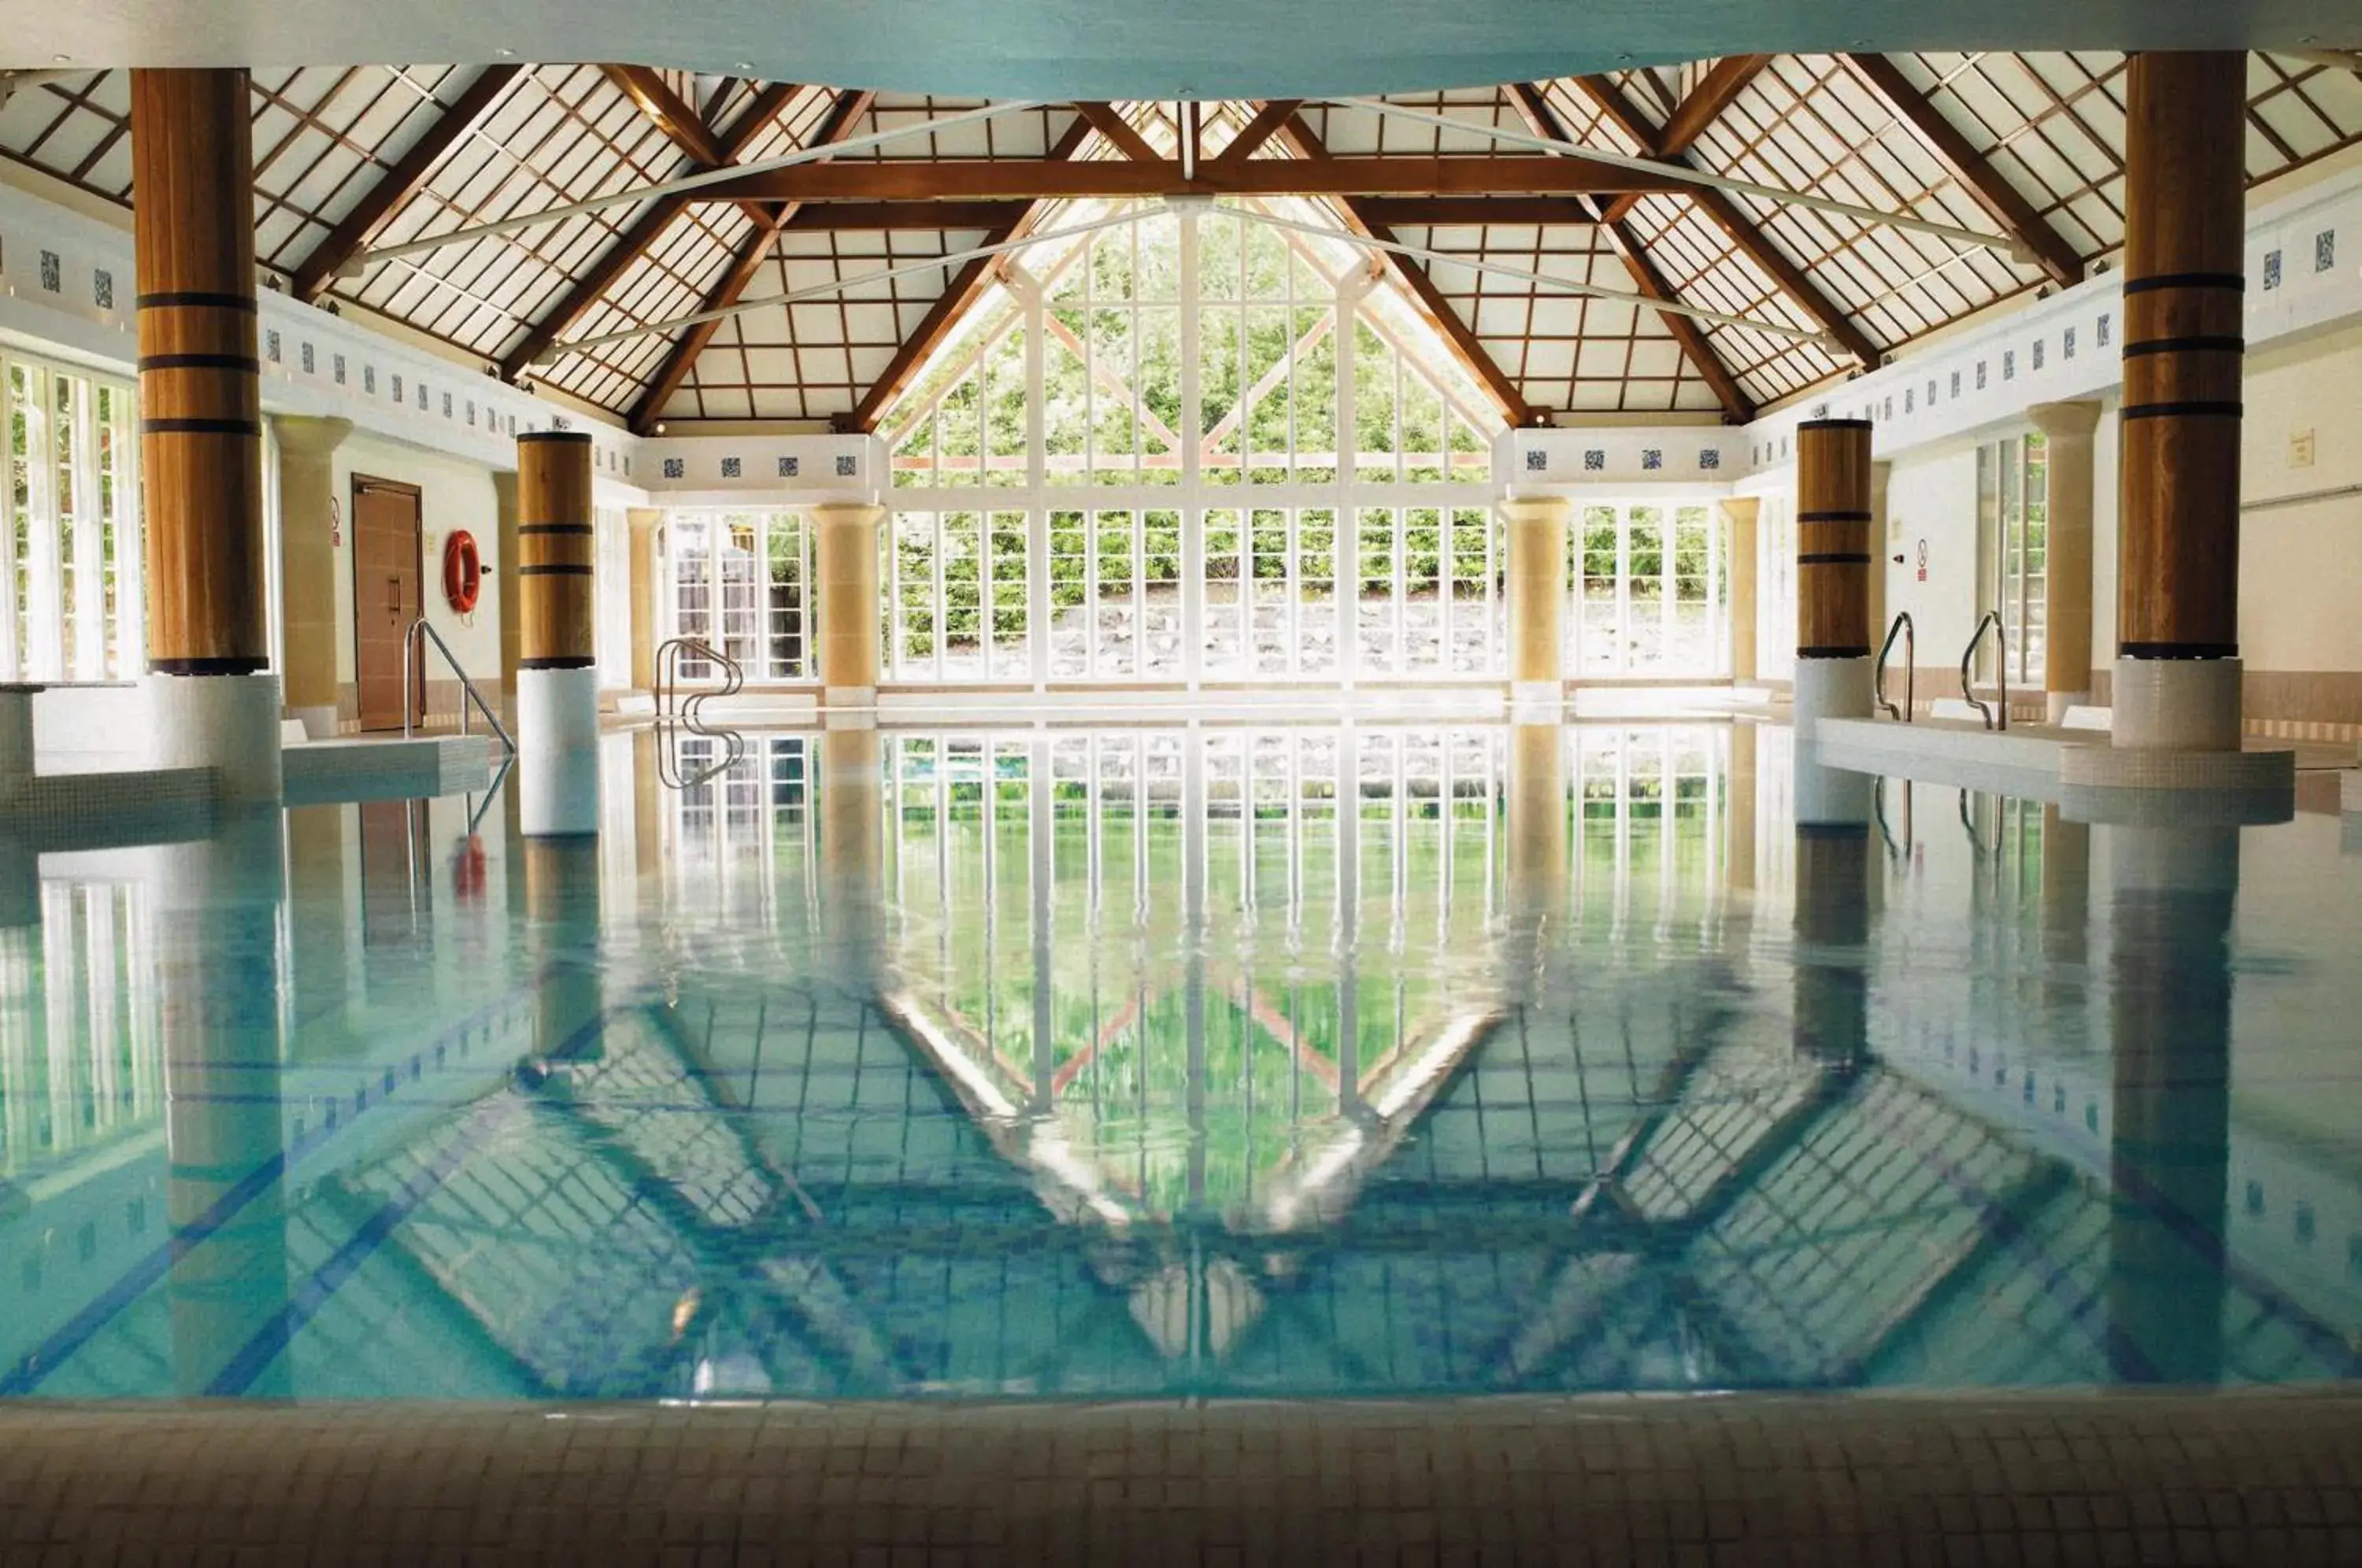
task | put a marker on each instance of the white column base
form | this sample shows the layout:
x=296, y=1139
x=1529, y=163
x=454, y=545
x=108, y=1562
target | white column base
x=319, y=723
x=848, y=696
x=1830, y=797
x=557, y=709
x=2177, y=704
x=2055, y=706
x=557, y=793
x=16, y=734
x=1535, y=701
x=1831, y=689
x=227, y=722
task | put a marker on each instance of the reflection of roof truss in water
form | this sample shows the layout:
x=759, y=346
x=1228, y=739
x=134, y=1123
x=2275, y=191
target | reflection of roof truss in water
x=1649, y=1198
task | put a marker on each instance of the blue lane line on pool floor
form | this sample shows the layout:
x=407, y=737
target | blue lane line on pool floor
x=78, y=1331
x=305, y=1302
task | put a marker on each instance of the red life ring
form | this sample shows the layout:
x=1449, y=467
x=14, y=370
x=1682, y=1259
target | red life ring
x=463, y=572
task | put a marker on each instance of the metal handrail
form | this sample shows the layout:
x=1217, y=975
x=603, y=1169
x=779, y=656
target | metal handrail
x=1910, y=636
x=420, y=633
x=2001, y=669
x=667, y=692
x=689, y=710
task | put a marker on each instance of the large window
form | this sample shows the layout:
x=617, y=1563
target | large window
x=1650, y=592
x=2014, y=552
x=740, y=583
x=1191, y=483
x=70, y=611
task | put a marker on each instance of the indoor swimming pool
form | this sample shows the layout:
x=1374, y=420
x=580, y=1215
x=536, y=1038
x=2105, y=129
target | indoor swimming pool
x=1342, y=1059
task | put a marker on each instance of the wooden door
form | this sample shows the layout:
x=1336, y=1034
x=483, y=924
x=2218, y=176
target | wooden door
x=386, y=600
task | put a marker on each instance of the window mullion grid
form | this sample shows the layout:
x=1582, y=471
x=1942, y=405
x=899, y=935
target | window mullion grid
x=88, y=654
x=9, y=629
x=43, y=638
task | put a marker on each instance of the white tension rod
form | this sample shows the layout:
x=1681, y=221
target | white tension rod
x=1543, y=280
x=556, y=351
x=2016, y=250
x=359, y=261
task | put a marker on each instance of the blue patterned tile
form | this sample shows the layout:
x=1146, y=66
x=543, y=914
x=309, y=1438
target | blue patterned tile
x=847, y=465
x=790, y=467
x=1594, y=460
x=2325, y=250
x=1651, y=459
x=730, y=467
x=1537, y=460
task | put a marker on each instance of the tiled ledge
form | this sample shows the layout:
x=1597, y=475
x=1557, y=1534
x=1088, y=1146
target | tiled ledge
x=96, y=810
x=326, y=772
x=2215, y=1477
x=2064, y=767
x=2349, y=788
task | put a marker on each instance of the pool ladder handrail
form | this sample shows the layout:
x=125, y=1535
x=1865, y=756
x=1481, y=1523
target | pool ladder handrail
x=1903, y=628
x=688, y=711
x=2000, y=670
x=421, y=633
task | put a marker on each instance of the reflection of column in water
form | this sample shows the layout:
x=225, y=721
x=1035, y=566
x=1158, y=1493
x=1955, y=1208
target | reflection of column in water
x=319, y=950
x=1193, y=951
x=21, y=1002
x=1536, y=812
x=1832, y=919
x=561, y=896
x=1349, y=921
x=2066, y=907
x=647, y=811
x=1738, y=860
x=217, y=904
x=851, y=786
x=2170, y=1029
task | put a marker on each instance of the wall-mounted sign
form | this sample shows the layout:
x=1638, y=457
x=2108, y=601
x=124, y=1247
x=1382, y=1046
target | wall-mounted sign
x=1922, y=561
x=336, y=524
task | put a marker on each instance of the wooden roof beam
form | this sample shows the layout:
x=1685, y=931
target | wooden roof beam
x=952, y=305
x=1751, y=240
x=1268, y=122
x=681, y=125
x=1737, y=408
x=1724, y=82
x=1458, y=335
x=1125, y=137
x=1046, y=179
x=637, y=240
x=402, y=179
x=1968, y=168
x=731, y=286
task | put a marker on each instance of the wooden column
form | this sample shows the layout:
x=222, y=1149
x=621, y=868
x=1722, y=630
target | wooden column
x=200, y=375
x=2185, y=220
x=1833, y=539
x=555, y=549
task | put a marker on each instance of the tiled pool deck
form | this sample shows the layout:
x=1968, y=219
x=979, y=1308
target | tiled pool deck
x=2125, y=1478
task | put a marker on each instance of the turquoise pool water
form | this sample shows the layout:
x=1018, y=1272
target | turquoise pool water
x=1307, y=1060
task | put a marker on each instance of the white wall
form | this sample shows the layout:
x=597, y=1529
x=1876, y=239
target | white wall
x=1931, y=495
x=2301, y=566
x=455, y=494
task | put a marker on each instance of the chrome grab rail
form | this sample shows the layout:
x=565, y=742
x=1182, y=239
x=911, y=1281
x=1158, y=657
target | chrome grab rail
x=671, y=707
x=2001, y=669
x=667, y=692
x=1910, y=636
x=419, y=634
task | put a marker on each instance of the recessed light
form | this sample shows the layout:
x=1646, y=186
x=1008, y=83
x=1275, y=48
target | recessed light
x=660, y=426
x=505, y=53
x=62, y=60
x=744, y=67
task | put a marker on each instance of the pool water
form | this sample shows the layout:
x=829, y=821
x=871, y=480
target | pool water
x=1314, y=1060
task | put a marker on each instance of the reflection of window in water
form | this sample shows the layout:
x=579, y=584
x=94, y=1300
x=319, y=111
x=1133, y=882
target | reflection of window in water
x=82, y=1064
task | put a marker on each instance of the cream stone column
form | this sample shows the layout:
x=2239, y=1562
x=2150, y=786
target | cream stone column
x=648, y=572
x=1742, y=511
x=846, y=565
x=307, y=568
x=505, y=491
x=2067, y=428
x=1536, y=598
